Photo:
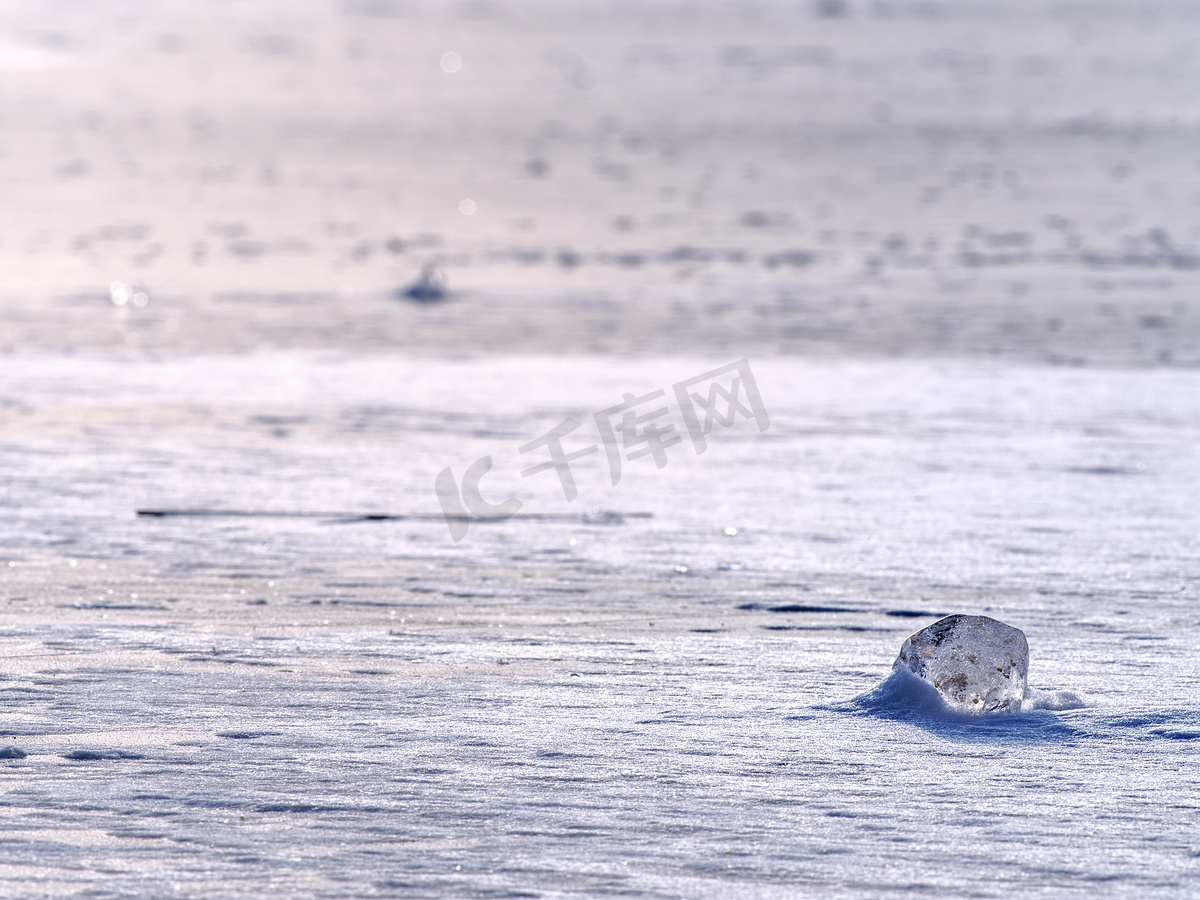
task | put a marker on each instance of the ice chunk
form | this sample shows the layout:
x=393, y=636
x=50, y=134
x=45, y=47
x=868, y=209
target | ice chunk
x=977, y=664
x=430, y=287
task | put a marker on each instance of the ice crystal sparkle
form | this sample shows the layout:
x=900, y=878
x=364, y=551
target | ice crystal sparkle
x=977, y=665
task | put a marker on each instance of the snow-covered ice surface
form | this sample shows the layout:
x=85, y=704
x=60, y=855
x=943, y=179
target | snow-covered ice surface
x=328, y=707
x=957, y=242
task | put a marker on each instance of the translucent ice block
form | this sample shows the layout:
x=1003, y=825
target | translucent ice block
x=977, y=664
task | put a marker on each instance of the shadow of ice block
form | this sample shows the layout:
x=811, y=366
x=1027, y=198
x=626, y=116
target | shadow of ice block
x=976, y=664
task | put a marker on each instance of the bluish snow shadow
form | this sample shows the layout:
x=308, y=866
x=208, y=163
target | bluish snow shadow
x=1152, y=725
x=904, y=697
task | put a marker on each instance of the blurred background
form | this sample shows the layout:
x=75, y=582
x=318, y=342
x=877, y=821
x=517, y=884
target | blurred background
x=818, y=177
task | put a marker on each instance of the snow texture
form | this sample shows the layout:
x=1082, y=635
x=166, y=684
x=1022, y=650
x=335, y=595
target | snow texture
x=347, y=708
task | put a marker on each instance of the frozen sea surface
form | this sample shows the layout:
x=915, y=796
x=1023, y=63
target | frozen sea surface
x=677, y=706
x=691, y=704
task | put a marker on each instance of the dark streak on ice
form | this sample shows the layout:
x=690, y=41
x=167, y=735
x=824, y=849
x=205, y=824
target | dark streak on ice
x=797, y=608
x=101, y=754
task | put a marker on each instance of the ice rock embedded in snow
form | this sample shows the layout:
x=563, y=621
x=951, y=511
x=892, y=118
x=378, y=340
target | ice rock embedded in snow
x=977, y=664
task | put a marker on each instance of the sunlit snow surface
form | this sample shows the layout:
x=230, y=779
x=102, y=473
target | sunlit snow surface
x=342, y=708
